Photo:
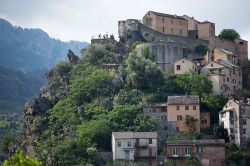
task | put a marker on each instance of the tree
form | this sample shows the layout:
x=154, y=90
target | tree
x=143, y=74
x=127, y=96
x=201, y=49
x=229, y=34
x=97, y=55
x=18, y=159
x=190, y=121
x=6, y=143
x=192, y=161
x=147, y=21
x=220, y=132
x=192, y=83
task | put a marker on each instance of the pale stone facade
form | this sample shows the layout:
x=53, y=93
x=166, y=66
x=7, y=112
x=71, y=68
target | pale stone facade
x=226, y=77
x=206, y=31
x=183, y=66
x=131, y=147
x=179, y=107
x=159, y=111
x=168, y=24
x=208, y=152
x=235, y=117
x=223, y=54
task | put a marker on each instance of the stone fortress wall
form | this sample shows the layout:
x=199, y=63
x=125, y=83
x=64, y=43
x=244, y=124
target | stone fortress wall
x=133, y=29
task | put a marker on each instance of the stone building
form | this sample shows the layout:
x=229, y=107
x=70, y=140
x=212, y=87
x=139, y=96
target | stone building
x=168, y=24
x=223, y=54
x=208, y=152
x=183, y=66
x=235, y=117
x=226, y=77
x=206, y=31
x=158, y=110
x=178, y=108
x=131, y=147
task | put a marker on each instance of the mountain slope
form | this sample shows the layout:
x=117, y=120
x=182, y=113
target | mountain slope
x=31, y=49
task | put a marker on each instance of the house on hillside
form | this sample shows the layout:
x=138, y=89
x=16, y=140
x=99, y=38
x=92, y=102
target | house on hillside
x=223, y=54
x=235, y=117
x=131, y=147
x=159, y=111
x=208, y=152
x=183, y=66
x=226, y=77
x=179, y=107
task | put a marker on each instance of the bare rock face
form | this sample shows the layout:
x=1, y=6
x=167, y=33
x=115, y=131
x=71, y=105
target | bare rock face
x=36, y=109
x=35, y=121
x=72, y=57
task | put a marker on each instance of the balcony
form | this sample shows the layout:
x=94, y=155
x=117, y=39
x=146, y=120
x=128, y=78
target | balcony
x=141, y=144
x=147, y=153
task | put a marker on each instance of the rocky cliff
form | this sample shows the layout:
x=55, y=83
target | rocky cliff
x=36, y=109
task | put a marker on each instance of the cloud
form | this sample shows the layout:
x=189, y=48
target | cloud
x=80, y=19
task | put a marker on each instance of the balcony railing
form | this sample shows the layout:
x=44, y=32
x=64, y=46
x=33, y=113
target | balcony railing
x=141, y=144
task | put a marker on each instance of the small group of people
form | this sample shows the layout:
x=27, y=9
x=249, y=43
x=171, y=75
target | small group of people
x=104, y=36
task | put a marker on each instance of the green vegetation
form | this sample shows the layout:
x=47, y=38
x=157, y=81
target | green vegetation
x=201, y=49
x=229, y=34
x=18, y=159
x=192, y=161
x=98, y=102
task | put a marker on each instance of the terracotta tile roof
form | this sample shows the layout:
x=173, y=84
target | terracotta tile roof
x=187, y=99
x=135, y=134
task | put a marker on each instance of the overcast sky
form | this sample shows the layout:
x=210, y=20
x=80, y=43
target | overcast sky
x=80, y=19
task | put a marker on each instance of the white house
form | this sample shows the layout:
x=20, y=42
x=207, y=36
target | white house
x=131, y=147
x=235, y=117
x=183, y=66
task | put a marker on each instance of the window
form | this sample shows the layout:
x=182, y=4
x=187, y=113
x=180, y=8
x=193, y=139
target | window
x=224, y=80
x=174, y=151
x=180, y=32
x=118, y=143
x=241, y=43
x=186, y=107
x=177, y=107
x=231, y=130
x=180, y=22
x=163, y=20
x=227, y=79
x=129, y=144
x=187, y=151
x=150, y=141
x=212, y=65
x=172, y=31
x=178, y=67
x=163, y=29
x=244, y=121
x=244, y=131
x=177, y=129
x=230, y=72
x=194, y=107
x=179, y=117
x=199, y=149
